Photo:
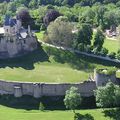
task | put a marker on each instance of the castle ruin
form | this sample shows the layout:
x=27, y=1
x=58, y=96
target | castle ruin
x=15, y=40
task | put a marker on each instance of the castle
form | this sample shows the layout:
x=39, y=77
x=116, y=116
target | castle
x=14, y=39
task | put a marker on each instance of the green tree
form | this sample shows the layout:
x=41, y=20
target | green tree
x=41, y=106
x=84, y=34
x=60, y=33
x=108, y=96
x=72, y=99
x=99, y=39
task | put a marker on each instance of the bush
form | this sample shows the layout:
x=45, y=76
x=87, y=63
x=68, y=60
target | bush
x=72, y=98
x=78, y=116
x=112, y=55
x=88, y=49
x=81, y=47
x=109, y=71
x=108, y=96
x=41, y=106
x=104, y=52
x=118, y=54
x=96, y=51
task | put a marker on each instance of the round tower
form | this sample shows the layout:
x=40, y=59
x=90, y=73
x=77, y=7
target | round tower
x=103, y=76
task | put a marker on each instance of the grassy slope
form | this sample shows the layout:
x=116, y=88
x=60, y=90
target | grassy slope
x=111, y=45
x=59, y=66
x=15, y=114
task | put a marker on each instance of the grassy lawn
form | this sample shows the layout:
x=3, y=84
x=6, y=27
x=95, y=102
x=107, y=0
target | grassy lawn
x=40, y=35
x=50, y=65
x=7, y=113
x=112, y=45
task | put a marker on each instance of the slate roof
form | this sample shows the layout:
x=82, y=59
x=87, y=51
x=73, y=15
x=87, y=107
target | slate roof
x=7, y=18
x=10, y=21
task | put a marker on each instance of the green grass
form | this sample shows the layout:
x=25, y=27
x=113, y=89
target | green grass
x=7, y=113
x=50, y=65
x=40, y=35
x=112, y=45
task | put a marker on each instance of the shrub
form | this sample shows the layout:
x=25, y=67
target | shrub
x=104, y=52
x=109, y=71
x=72, y=98
x=41, y=106
x=108, y=96
x=118, y=54
x=112, y=55
x=88, y=49
x=78, y=116
x=96, y=51
x=81, y=46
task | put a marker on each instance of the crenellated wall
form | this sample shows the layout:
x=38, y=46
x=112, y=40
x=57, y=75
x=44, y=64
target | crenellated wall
x=45, y=89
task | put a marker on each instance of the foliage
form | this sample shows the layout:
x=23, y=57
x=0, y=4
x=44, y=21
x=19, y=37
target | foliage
x=118, y=54
x=60, y=33
x=109, y=71
x=108, y=96
x=50, y=16
x=99, y=39
x=41, y=106
x=24, y=15
x=78, y=116
x=112, y=55
x=104, y=52
x=84, y=34
x=72, y=99
x=81, y=47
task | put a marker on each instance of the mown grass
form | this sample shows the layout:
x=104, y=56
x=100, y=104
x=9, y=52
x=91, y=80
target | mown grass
x=40, y=35
x=112, y=45
x=50, y=65
x=7, y=113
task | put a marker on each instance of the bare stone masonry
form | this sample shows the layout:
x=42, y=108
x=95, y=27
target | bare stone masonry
x=44, y=89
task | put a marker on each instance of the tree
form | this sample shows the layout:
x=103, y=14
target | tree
x=60, y=33
x=24, y=15
x=105, y=95
x=99, y=39
x=72, y=99
x=100, y=15
x=84, y=34
x=50, y=16
x=108, y=96
x=41, y=106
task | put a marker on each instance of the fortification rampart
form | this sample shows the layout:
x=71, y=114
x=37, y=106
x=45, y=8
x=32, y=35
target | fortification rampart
x=44, y=89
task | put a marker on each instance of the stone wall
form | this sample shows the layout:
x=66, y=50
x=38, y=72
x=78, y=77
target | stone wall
x=13, y=46
x=44, y=89
x=102, y=79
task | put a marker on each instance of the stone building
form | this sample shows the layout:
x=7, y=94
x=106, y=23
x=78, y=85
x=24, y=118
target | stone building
x=15, y=40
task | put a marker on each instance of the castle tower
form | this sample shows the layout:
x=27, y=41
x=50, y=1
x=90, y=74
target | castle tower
x=103, y=76
x=19, y=23
x=7, y=25
x=29, y=31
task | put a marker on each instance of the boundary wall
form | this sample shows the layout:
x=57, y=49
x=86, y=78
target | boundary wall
x=37, y=90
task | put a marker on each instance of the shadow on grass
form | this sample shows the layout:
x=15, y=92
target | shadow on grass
x=113, y=114
x=27, y=61
x=77, y=61
x=79, y=116
x=50, y=102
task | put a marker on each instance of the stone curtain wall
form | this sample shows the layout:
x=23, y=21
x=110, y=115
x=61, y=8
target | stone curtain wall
x=45, y=89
